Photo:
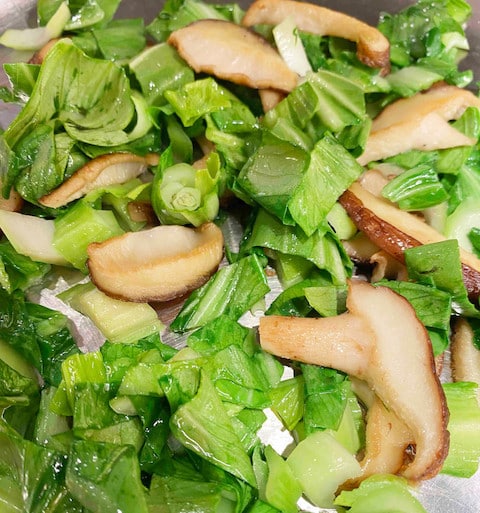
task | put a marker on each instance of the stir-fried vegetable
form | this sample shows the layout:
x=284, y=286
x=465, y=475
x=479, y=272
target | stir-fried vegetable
x=236, y=241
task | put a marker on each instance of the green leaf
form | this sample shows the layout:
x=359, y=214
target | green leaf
x=330, y=172
x=288, y=399
x=120, y=39
x=321, y=247
x=438, y=264
x=232, y=290
x=78, y=227
x=220, y=333
x=39, y=472
x=203, y=426
x=325, y=101
x=106, y=478
x=158, y=69
x=64, y=91
x=194, y=100
x=272, y=175
x=326, y=393
x=17, y=327
x=19, y=271
x=282, y=489
x=22, y=78
x=415, y=189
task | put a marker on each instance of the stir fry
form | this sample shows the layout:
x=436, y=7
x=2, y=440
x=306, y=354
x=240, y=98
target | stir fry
x=240, y=259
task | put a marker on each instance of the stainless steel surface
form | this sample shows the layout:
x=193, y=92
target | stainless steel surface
x=443, y=494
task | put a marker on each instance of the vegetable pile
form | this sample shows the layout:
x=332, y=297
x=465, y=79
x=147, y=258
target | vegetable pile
x=149, y=360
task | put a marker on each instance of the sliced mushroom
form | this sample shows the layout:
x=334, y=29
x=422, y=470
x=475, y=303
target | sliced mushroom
x=270, y=98
x=387, y=267
x=419, y=122
x=39, y=56
x=381, y=341
x=447, y=101
x=110, y=169
x=360, y=248
x=387, y=439
x=465, y=357
x=373, y=48
x=142, y=212
x=231, y=52
x=395, y=230
x=373, y=180
x=13, y=203
x=158, y=264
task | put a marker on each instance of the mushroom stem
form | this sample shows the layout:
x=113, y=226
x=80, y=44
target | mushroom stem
x=344, y=339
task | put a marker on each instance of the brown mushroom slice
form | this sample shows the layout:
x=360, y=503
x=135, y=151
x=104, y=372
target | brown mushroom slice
x=450, y=102
x=158, y=264
x=387, y=439
x=231, y=52
x=110, y=169
x=419, y=122
x=13, y=203
x=39, y=56
x=373, y=48
x=395, y=230
x=270, y=98
x=373, y=180
x=387, y=267
x=465, y=357
x=381, y=341
x=429, y=133
x=142, y=212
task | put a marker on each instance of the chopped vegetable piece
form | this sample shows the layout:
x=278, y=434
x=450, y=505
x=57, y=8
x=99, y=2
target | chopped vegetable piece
x=100, y=172
x=157, y=264
x=246, y=57
x=35, y=38
x=321, y=465
x=373, y=47
x=419, y=122
x=19, y=228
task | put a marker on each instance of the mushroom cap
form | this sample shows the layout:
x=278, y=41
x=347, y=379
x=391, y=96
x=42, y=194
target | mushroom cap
x=419, y=122
x=102, y=171
x=245, y=58
x=158, y=264
x=373, y=48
